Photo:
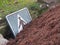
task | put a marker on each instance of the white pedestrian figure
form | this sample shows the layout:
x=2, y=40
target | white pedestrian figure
x=21, y=23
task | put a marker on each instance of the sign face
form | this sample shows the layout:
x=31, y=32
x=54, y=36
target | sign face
x=18, y=19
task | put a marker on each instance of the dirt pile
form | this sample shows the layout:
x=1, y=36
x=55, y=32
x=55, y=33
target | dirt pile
x=44, y=30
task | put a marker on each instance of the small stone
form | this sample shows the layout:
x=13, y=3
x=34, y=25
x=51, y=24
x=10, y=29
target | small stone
x=47, y=5
x=44, y=6
x=1, y=36
x=0, y=18
x=3, y=41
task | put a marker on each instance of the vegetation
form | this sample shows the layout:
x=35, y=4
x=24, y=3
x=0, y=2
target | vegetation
x=9, y=6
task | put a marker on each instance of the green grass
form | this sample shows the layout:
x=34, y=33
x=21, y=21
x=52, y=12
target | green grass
x=9, y=6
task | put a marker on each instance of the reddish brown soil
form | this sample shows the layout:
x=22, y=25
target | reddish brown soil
x=44, y=30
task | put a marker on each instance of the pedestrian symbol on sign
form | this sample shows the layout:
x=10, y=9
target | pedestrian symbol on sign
x=21, y=23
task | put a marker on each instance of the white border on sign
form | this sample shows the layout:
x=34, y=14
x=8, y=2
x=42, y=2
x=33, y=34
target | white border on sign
x=10, y=26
